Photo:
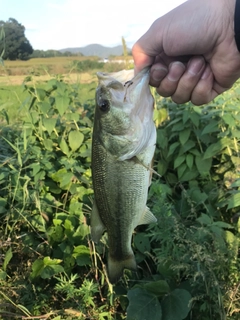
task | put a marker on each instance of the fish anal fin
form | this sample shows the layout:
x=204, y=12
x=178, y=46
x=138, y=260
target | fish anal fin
x=147, y=217
x=97, y=226
x=116, y=267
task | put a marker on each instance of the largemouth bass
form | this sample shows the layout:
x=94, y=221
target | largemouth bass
x=124, y=138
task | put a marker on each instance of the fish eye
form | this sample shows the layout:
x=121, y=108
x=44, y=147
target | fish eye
x=103, y=105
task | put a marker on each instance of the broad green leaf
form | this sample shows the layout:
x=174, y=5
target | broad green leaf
x=62, y=87
x=178, y=161
x=184, y=136
x=47, y=261
x=68, y=225
x=49, y=124
x=172, y=122
x=190, y=174
x=56, y=233
x=3, y=175
x=204, y=219
x=172, y=148
x=157, y=288
x=181, y=170
x=142, y=242
x=62, y=104
x=187, y=146
x=198, y=196
x=203, y=165
x=3, y=275
x=41, y=94
x=64, y=147
x=66, y=179
x=8, y=257
x=51, y=270
x=178, y=127
x=82, y=255
x=46, y=268
x=212, y=150
x=162, y=167
x=185, y=116
x=211, y=127
x=176, y=305
x=57, y=176
x=198, y=110
x=48, y=144
x=162, y=139
x=228, y=119
x=234, y=201
x=143, y=305
x=195, y=119
x=3, y=203
x=72, y=116
x=35, y=168
x=85, y=151
x=222, y=224
x=37, y=268
x=34, y=116
x=189, y=160
x=172, y=178
x=45, y=107
x=195, y=152
x=75, y=139
x=236, y=183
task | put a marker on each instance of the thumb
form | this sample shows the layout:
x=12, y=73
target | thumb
x=140, y=57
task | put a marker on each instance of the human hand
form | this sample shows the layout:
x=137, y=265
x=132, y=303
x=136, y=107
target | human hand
x=192, y=51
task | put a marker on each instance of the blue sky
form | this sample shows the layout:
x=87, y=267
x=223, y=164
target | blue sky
x=58, y=24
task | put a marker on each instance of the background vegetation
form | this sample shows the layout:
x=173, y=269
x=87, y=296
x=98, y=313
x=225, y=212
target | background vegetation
x=15, y=45
x=188, y=263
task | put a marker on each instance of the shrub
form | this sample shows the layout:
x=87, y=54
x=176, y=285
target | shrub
x=188, y=263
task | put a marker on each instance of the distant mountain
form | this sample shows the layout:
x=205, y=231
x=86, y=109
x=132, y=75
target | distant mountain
x=97, y=50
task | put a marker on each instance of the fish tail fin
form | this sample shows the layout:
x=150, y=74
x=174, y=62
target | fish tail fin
x=116, y=267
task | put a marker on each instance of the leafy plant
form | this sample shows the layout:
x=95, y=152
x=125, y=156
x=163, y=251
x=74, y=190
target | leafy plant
x=188, y=262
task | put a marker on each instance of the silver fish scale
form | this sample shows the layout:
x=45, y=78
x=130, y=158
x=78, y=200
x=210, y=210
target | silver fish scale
x=120, y=194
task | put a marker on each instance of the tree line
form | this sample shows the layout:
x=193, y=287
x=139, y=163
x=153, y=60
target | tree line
x=14, y=45
x=53, y=53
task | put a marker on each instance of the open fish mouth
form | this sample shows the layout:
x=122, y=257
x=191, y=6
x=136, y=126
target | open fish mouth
x=129, y=89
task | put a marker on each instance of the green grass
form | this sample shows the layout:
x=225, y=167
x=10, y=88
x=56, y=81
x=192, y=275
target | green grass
x=13, y=100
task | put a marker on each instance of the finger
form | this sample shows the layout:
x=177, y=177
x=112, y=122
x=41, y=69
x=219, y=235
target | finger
x=189, y=80
x=158, y=73
x=168, y=85
x=204, y=91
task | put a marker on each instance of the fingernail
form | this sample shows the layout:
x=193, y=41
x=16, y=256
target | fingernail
x=159, y=73
x=206, y=73
x=195, y=65
x=176, y=70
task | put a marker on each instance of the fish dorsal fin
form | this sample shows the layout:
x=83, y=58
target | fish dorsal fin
x=147, y=217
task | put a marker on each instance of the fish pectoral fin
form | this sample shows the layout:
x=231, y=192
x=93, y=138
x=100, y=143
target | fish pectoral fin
x=147, y=217
x=97, y=226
